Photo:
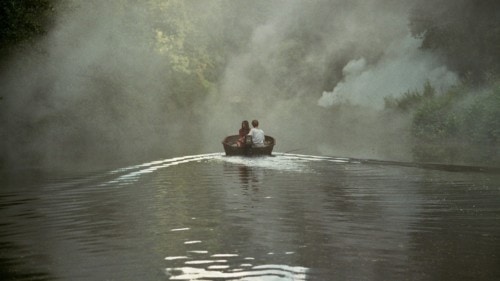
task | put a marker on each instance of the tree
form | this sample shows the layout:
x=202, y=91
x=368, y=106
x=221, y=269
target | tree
x=23, y=20
x=465, y=32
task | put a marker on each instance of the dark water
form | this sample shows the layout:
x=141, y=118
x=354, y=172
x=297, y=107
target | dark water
x=288, y=217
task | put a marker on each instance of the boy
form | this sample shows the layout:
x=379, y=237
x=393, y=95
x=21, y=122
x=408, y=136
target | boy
x=257, y=134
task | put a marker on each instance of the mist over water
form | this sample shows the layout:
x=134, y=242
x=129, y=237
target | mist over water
x=96, y=89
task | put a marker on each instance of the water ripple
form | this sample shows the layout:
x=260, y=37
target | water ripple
x=259, y=272
x=285, y=217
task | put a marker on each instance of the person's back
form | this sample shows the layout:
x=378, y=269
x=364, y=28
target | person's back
x=257, y=134
x=244, y=130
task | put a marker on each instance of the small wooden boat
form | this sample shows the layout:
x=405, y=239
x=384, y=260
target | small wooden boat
x=231, y=148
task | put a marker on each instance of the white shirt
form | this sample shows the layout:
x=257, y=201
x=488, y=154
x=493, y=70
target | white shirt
x=257, y=136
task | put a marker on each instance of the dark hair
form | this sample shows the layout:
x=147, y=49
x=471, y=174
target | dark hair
x=245, y=124
x=255, y=123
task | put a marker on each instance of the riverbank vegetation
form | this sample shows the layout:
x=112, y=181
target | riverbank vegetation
x=459, y=125
x=463, y=124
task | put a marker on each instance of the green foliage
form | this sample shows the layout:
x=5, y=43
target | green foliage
x=461, y=123
x=435, y=121
x=196, y=53
x=465, y=32
x=481, y=121
x=23, y=20
x=410, y=99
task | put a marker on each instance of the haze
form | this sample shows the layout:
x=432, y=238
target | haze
x=98, y=90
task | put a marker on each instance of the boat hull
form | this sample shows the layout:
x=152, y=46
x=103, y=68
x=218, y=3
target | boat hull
x=232, y=149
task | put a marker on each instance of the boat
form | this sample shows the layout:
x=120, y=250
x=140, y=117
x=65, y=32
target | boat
x=231, y=148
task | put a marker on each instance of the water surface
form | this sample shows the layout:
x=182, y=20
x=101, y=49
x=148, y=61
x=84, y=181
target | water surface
x=287, y=217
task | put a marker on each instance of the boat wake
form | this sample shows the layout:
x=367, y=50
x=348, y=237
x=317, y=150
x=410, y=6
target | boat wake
x=131, y=174
x=278, y=161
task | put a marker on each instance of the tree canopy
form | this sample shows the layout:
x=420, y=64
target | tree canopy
x=284, y=55
x=465, y=32
x=23, y=20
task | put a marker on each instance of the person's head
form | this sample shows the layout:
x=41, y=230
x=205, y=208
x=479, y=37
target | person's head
x=245, y=125
x=255, y=123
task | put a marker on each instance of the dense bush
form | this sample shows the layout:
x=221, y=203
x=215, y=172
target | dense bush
x=410, y=99
x=462, y=125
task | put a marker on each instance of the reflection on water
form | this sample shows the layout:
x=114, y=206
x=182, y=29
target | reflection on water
x=286, y=217
x=201, y=266
x=263, y=272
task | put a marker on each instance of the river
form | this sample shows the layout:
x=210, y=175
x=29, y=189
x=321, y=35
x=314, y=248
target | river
x=286, y=217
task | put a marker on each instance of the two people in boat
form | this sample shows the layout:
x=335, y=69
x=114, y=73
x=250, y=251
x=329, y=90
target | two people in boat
x=256, y=134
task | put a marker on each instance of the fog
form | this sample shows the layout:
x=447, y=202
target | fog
x=95, y=92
